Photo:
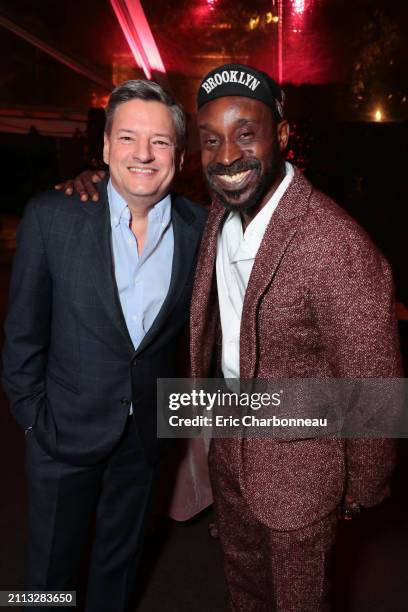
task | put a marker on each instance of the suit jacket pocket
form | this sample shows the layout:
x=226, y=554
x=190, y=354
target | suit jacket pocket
x=290, y=486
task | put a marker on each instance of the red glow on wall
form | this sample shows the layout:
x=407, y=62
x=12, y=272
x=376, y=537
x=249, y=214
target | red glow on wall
x=280, y=41
x=299, y=50
x=200, y=13
x=298, y=7
x=305, y=56
x=98, y=101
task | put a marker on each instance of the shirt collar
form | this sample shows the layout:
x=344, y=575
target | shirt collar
x=260, y=222
x=118, y=208
x=241, y=245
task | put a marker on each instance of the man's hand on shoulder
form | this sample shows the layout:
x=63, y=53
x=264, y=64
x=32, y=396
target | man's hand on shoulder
x=84, y=184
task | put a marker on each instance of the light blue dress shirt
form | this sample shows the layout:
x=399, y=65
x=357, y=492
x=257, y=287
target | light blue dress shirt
x=142, y=281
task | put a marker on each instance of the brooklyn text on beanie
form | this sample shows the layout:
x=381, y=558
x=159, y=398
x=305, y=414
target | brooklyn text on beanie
x=243, y=81
x=230, y=76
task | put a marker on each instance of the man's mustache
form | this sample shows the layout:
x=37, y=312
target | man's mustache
x=238, y=166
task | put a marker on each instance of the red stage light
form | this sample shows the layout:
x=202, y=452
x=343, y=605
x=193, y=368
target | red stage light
x=139, y=36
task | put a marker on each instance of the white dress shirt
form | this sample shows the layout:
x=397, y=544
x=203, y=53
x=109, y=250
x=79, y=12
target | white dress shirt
x=236, y=252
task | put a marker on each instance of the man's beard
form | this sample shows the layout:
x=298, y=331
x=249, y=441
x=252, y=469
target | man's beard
x=265, y=181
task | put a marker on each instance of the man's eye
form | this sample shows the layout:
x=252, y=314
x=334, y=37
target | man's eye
x=162, y=144
x=125, y=139
x=210, y=141
x=246, y=135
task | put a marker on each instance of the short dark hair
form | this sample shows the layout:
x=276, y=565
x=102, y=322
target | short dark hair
x=147, y=90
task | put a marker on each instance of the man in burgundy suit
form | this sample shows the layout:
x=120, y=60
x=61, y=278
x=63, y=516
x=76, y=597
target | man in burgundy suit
x=297, y=290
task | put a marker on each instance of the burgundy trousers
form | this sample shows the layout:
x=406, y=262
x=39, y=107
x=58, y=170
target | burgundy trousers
x=267, y=570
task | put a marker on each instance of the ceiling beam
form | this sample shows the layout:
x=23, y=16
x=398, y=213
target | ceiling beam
x=56, y=54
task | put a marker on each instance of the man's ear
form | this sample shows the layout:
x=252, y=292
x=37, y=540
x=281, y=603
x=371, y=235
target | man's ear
x=106, y=147
x=283, y=134
x=180, y=161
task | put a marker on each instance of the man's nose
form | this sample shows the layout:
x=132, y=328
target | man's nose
x=143, y=150
x=228, y=153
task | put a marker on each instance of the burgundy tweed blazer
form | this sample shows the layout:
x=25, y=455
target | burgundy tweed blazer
x=319, y=303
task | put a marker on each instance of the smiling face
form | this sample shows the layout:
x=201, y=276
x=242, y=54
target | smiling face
x=241, y=151
x=140, y=150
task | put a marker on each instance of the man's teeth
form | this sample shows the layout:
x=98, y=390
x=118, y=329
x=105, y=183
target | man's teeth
x=234, y=178
x=141, y=170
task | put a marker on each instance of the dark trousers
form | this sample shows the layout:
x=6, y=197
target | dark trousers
x=62, y=500
x=267, y=570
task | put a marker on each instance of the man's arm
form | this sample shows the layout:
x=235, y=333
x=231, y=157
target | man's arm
x=84, y=184
x=354, y=309
x=27, y=326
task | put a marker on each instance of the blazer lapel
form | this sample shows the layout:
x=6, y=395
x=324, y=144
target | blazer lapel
x=204, y=303
x=186, y=240
x=101, y=265
x=280, y=232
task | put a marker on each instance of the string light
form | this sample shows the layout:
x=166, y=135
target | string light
x=253, y=23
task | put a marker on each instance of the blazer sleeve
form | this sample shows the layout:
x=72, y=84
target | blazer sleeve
x=27, y=325
x=353, y=304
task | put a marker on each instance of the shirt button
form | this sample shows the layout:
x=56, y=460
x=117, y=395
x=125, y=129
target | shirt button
x=137, y=281
x=124, y=401
x=135, y=318
x=129, y=240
